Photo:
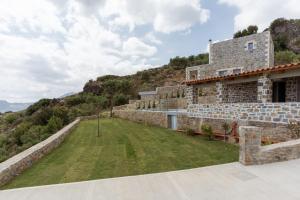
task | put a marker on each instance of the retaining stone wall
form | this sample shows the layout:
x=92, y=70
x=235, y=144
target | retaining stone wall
x=252, y=153
x=148, y=117
x=273, y=132
x=20, y=162
x=263, y=112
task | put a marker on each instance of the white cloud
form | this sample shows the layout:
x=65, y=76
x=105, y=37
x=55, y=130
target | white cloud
x=29, y=16
x=262, y=12
x=51, y=47
x=135, y=47
x=166, y=16
x=152, y=38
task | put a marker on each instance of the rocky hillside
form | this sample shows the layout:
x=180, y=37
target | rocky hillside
x=170, y=74
x=286, y=34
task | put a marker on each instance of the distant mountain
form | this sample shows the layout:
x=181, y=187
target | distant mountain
x=14, y=107
x=67, y=94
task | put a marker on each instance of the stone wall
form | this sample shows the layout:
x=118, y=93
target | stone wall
x=252, y=153
x=263, y=112
x=291, y=89
x=148, y=117
x=17, y=164
x=176, y=91
x=234, y=54
x=264, y=89
x=272, y=132
x=240, y=92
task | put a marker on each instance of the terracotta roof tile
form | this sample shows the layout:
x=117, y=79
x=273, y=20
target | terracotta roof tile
x=275, y=69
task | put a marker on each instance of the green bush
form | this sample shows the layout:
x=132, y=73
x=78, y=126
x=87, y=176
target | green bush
x=75, y=100
x=3, y=140
x=120, y=99
x=226, y=128
x=54, y=125
x=207, y=130
x=284, y=57
x=190, y=132
x=62, y=113
x=11, y=118
x=33, y=135
x=42, y=116
x=19, y=132
x=252, y=29
x=35, y=107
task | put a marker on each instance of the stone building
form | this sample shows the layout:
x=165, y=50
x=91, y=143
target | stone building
x=240, y=87
x=241, y=83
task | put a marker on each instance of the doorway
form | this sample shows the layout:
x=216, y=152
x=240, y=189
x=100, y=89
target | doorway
x=279, y=91
x=172, y=122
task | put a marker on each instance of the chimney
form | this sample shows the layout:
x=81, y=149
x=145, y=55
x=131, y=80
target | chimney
x=209, y=52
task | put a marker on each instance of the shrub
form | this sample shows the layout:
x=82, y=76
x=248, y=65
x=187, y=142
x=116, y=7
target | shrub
x=19, y=132
x=190, y=132
x=42, y=116
x=11, y=118
x=54, y=125
x=3, y=140
x=207, y=130
x=120, y=99
x=35, y=107
x=74, y=100
x=226, y=128
x=62, y=113
x=284, y=57
x=33, y=135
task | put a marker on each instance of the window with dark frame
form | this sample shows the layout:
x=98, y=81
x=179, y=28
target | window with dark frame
x=250, y=46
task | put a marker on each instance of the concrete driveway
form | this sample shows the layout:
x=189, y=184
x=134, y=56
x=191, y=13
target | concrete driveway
x=228, y=181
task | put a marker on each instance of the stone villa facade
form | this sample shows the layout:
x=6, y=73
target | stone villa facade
x=242, y=83
x=240, y=86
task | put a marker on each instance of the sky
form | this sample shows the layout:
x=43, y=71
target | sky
x=52, y=47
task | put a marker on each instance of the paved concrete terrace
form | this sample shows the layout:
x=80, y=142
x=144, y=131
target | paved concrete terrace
x=228, y=181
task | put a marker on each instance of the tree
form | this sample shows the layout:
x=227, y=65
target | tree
x=252, y=29
x=54, y=124
x=38, y=105
x=113, y=88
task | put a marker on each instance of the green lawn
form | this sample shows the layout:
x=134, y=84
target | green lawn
x=124, y=148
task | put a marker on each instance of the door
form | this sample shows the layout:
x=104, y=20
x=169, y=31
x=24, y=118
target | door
x=279, y=91
x=172, y=122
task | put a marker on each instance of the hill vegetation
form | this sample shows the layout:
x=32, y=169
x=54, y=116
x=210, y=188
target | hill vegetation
x=20, y=130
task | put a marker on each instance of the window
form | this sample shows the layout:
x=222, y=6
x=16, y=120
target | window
x=222, y=73
x=250, y=46
x=236, y=71
x=193, y=75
